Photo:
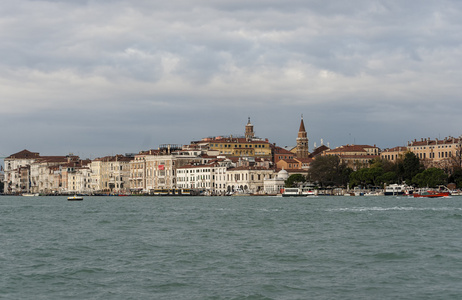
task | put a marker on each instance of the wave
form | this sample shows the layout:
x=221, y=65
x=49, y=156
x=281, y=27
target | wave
x=395, y=208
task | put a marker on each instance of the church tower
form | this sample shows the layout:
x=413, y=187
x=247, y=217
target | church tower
x=249, y=134
x=302, y=142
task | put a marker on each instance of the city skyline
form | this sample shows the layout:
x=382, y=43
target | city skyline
x=108, y=77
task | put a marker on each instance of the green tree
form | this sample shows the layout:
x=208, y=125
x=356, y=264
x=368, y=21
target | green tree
x=367, y=176
x=388, y=178
x=294, y=180
x=329, y=171
x=409, y=167
x=359, y=177
x=431, y=177
x=456, y=177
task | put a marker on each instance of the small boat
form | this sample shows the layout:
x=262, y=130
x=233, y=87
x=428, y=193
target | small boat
x=431, y=194
x=298, y=192
x=398, y=190
x=75, y=198
x=30, y=194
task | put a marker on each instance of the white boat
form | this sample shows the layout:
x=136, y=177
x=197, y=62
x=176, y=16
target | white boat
x=398, y=189
x=292, y=192
x=75, y=198
x=30, y=194
x=298, y=192
x=375, y=193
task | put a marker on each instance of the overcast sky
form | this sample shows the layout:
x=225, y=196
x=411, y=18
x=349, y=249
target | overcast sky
x=102, y=77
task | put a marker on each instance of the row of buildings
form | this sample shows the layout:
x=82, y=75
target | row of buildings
x=217, y=166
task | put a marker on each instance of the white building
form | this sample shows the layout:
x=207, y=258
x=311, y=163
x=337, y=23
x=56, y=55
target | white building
x=276, y=183
x=154, y=171
x=17, y=172
x=209, y=178
x=247, y=179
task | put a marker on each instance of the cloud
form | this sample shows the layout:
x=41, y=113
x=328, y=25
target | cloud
x=153, y=72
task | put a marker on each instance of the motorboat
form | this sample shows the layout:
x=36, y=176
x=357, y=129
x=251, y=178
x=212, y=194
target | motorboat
x=75, y=198
x=432, y=194
x=398, y=190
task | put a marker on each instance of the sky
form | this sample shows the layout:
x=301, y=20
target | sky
x=100, y=77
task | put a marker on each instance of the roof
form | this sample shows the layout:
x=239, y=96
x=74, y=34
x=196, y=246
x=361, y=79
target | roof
x=243, y=168
x=238, y=140
x=396, y=149
x=53, y=159
x=280, y=150
x=304, y=160
x=24, y=154
x=367, y=157
x=426, y=142
x=114, y=158
x=319, y=150
x=289, y=160
x=352, y=148
x=302, y=126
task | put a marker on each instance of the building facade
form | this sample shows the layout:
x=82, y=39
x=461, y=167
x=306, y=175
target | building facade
x=355, y=156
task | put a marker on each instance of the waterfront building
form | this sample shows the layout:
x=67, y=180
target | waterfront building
x=28, y=172
x=355, y=156
x=247, y=179
x=43, y=173
x=77, y=180
x=71, y=178
x=275, y=184
x=110, y=174
x=156, y=169
x=438, y=153
x=209, y=178
x=17, y=172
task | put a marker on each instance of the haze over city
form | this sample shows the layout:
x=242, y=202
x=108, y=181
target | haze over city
x=98, y=78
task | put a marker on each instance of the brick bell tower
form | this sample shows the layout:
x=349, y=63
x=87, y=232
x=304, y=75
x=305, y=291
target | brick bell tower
x=302, y=142
x=249, y=134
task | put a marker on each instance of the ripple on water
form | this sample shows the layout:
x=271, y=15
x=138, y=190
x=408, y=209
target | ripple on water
x=225, y=248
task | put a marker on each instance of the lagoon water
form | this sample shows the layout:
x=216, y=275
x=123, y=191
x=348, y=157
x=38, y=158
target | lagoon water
x=230, y=248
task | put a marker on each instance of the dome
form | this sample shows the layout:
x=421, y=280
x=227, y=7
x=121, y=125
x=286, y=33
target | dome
x=283, y=174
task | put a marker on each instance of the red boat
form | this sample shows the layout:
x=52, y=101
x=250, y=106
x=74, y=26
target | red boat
x=431, y=194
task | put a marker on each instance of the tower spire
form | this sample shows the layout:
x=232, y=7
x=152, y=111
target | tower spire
x=302, y=141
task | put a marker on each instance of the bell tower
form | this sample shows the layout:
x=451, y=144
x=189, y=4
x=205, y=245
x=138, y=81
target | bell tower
x=302, y=142
x=249, y=134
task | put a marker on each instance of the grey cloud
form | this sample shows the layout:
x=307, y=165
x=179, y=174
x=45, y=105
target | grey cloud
x=190, y=64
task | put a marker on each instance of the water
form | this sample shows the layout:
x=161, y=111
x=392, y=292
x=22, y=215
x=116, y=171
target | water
x=230, y=248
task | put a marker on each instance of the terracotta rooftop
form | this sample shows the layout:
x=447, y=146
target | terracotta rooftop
x=304, y=160
x=425, y=142
x=24, y=154
x=280, y=150
x=368, y=157
x=351, y=148
x=319, y=150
